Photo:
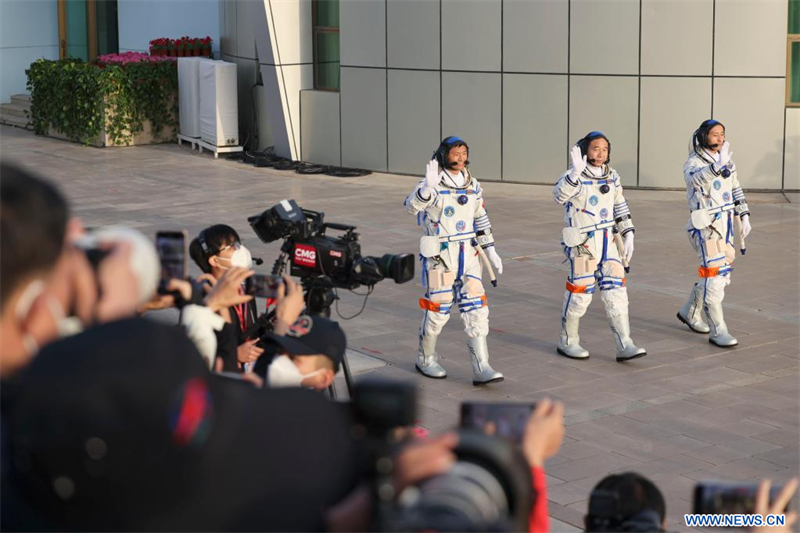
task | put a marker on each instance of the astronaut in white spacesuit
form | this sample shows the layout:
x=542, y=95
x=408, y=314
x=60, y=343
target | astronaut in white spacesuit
x=458, y=235
x=717, y=204
x=597, y=222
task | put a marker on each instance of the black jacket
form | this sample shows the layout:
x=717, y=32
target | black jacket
x=231, y=336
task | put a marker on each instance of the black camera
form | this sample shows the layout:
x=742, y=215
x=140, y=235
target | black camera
x=314, y=254
x=488, y=489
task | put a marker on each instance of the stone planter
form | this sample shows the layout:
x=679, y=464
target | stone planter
x=146, y=136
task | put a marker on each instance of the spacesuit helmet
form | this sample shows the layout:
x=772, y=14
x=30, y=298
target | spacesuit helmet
x=584, y=143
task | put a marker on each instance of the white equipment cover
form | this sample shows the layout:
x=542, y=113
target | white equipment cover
x=189, y=95
x=219, y=119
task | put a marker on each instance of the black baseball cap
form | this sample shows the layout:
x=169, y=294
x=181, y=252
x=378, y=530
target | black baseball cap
x=314, y=335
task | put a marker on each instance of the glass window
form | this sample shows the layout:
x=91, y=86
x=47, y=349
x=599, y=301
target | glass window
x=793, y=56
x=326, y=44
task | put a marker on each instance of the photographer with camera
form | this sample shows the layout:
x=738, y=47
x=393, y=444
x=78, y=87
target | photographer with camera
x=216, y=250
x=50, y=288
x=462, y=481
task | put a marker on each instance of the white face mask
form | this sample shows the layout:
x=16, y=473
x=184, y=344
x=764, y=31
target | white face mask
x=284, y=373
x=240, y=258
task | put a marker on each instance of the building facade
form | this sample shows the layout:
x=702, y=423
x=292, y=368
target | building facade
x=378, y=83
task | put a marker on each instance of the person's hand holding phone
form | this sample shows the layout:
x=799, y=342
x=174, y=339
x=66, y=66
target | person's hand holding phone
x=289, y=306
x=166, y=301
x=544, y=432
x=248, y=352
x=225, y=292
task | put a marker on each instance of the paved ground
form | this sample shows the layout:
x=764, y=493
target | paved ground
x=687, y=411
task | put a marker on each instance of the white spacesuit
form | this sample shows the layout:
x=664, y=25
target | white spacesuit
x=715, y=200
x=450, y=207
x=595, y=214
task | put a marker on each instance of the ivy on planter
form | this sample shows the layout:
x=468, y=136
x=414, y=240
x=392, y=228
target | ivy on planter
x=80, y=99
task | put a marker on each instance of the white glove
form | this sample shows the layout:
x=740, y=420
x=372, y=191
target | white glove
x=497, y=263
x=432, y=175
x=725, y=154
x=578, y=161
x=746, y=228
x=627, y=247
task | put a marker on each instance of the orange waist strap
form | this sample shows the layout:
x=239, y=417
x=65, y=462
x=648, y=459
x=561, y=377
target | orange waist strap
x=708, y=272
x=580, y=289
x=428, y=305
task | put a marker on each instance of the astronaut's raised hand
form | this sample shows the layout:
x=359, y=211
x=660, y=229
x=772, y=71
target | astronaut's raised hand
x=578, y=161
x=746, y=227
x=497, y=263
x=725, y=154
x=627, y=246
x=432, y=175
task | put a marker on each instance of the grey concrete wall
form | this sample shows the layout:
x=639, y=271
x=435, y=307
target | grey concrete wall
x=522, y=80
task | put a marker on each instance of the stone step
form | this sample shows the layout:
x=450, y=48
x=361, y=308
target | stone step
x=15, y=110
x=15, y=121
x=21, y=99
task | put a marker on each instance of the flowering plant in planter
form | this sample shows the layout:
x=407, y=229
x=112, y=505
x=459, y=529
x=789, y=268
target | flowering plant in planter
x=158, y=47
x=181, y=44
x=127, y=57
x=206, y=46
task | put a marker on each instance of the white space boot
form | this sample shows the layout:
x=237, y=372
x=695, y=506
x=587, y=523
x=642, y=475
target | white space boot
x=719, y=331
x=691, y=313
x=568, y=341
x=427, y=360
x=482, y=373
x=626, y=350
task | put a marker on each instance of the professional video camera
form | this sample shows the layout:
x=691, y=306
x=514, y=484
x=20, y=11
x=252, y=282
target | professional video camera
x=488, y=489
x=323, y=262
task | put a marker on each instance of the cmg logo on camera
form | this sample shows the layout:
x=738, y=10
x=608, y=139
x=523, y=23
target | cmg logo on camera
x=305, y=255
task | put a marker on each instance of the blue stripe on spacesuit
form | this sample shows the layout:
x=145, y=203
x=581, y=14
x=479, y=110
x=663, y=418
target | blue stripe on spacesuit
x=569, y=294
x=460, y=261
x=729, y=234
x=699, y=236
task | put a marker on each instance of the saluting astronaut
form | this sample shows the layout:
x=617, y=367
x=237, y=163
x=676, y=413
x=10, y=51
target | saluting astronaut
x=458, y=235
x=717, y=204
x=597, y=220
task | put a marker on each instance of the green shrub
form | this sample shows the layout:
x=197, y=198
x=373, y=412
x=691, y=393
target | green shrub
x=79, y=99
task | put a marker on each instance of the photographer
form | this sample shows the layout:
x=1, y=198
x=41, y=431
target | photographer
x=420, y=460
x=216, y=250
x=630, y=502
x=626, y=502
